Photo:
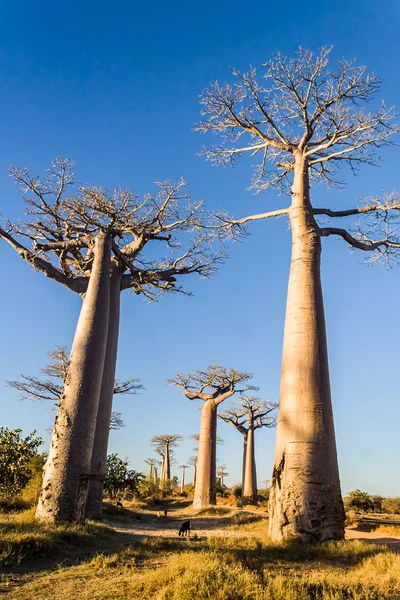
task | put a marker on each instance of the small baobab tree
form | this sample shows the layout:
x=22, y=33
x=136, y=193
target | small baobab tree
x=164, y=445
x=212, y=385
x=304, y=121
x=97, y=244
x=221, y=474
x=34, y=388
x=152, y=462
x=247, y=415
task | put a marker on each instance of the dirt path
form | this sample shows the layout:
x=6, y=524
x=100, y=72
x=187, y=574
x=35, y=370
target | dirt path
x=151, y=525
x=372, y=537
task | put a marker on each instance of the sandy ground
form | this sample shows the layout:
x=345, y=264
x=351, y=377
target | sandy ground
x=152, y=525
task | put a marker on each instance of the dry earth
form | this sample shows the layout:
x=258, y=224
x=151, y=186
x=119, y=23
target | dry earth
x=152, y=525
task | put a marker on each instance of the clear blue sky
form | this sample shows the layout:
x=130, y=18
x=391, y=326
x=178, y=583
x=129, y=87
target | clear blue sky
x=115, y=87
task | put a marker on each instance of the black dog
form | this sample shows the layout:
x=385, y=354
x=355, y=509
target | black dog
x=183, y=494
x=185, y=529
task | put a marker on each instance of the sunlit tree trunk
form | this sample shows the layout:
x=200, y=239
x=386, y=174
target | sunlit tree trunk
x=66, y=477
x=183, y=481
x=205, y=488
x=98, y=469
x=249, y=492
x=244, y=432
x=194, y=474
x=305, y=495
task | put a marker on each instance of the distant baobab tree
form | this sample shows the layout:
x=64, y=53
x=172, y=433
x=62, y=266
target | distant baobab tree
x=34, y=388
x=193, y=461
x=164, y=445
x=222, y=473
x=97, y=244
x=304, y=121
x=183, y=467
x=212, y=385
x=246, y=415
x=152, y=462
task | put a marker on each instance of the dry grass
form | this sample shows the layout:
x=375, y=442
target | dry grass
x=248, y=567
x=388, y=530
x=22, y=537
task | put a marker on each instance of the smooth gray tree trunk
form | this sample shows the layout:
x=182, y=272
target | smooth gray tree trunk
x=98, y=469
x=205, y=493
x=305, y=499
x=244, y=433
x=249, y=492
x=67, y=471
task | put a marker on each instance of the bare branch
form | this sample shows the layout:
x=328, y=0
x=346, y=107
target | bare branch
x=214, y=383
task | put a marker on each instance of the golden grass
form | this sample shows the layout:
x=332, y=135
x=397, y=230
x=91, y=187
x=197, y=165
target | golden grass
x=21, y=536
x=249, y=567
x=388, y=530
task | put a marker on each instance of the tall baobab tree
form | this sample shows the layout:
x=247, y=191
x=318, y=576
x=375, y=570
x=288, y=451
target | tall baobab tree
x=34, y=388
x=183, y=467
x=164, y=445
x=304, y=121
x=98, y=244
x=212, y=385
x=247, y=415
x=193, y=461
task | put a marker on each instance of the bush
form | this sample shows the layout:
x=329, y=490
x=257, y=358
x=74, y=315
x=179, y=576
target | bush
x=391, y=505
x=237, y=491
x=358, y=500
x=18, y=460
x=119, y=478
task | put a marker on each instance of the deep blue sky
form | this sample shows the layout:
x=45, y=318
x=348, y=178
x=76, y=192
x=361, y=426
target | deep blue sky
x=115, y=87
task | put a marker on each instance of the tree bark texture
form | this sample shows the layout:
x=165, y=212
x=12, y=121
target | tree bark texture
x=205, y=493
x=244, y=432
x=67, y=471
x=194, y=475
x=98, y=469
x=305, y=499
x=249, y=492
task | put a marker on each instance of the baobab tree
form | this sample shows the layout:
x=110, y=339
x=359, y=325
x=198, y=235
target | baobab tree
x=152, y=462
x=212, y=385
x=183, y=467
x=222, y=473
x=98, y=244
x=164, y=445
x=193, y=461
x=248, y=415
x=34, y=388
x=304, y=121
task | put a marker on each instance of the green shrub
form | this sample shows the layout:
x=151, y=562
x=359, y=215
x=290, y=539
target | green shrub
x=18, y=460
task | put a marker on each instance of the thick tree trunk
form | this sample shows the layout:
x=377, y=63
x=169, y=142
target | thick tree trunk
x=165, y=469
x=205, y=489
x=67, y=472
x=305, y=499
x=98, y=469
x=194, y=474
x=183, y=480
x=167, y=465
x=255, y=474
x=244, y=432
x=249, y=492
